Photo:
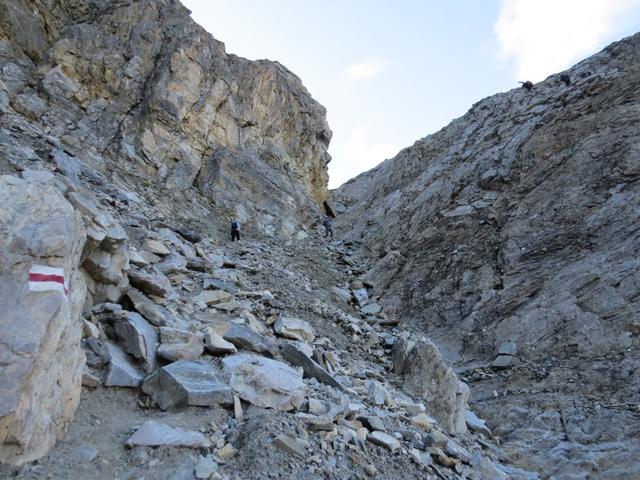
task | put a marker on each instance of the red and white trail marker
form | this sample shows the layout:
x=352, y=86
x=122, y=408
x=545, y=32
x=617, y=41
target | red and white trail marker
x=43, y=278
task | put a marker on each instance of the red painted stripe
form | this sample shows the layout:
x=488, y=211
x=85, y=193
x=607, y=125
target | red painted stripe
x=40, y=277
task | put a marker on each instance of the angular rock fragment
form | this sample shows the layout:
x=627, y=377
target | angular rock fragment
x=205, y=467
x=187, y=383
x=476, y=424
x=212, y=297
x=151, y=284
x=294, y=329
x=243, y=337
x=384, y=440
x=121, y=373
x=294, y=355
x=264, y=382
x=138, y=338
x=150, y=310
x=156, y=434
x=502, y=361
x=179, y=344
x=215, y=344
x=291, y=445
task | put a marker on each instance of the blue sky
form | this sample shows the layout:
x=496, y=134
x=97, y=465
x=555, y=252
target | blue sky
x=391, y=72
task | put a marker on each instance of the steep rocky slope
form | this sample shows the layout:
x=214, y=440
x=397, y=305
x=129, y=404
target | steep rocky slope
x=511, y=238
x=140, y=92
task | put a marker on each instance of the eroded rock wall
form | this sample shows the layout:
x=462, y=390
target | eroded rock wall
x=139, y=89
x=519, y=222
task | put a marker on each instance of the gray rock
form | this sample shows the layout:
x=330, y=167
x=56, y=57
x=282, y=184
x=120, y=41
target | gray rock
x=371, y=309
x=121, y=371
x=295, y=356
x=361, y=296
x=179, y=344
x=290, y=444
x=476, y=424
x=153, y=312
x=185, y=383
x=156, y=434
x=152, y=284
x=377, y=393
x=342, y=293
x=40, y=326
x=426, y=375
x=85, y=453
x=244, y=337
x=138, y=338
x=453, y=449
x=294, y=329
x=421, y=458
x=384, y=440
x=264, y=382
x=502, y=361
x=507, y=348
x=212, y=297
x=173, y=263
x=218, y=284
x=217, y=345
x=373, y=422
x=205, y=467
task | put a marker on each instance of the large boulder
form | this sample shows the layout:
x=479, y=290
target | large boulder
x=264, y=382
x=41, y=298
x=426, y=375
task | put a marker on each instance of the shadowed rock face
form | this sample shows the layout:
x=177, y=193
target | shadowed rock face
x=139, y=88
x=519, y=221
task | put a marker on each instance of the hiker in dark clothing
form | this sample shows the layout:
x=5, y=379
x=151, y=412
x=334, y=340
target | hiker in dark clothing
x=566, y=79
x=528, y=85
x=328, y=230
x=235, y=230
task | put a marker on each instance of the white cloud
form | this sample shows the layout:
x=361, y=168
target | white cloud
x=366, y=69
x=359, y=154
x=545, y=36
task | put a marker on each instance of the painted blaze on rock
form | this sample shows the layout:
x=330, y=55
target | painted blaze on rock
x=41, y=297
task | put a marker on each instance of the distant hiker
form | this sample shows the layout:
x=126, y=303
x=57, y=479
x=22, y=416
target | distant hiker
x=235, y=230
x=528, y=85
x=566, y=79
x=328, y=230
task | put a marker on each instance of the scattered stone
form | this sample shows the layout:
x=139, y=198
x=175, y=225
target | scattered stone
x=96, y=352
x=436, y=439
x=476, y=424
x=179, y=344
x=153, y=312
x=90, y=380
x=361, y=296
x=371, y=309
x=121, y=372
x=384, y=440
x=85, y=453
x=89, y=329
x=342, y=294
x=205, y=467
x=502, y=361
x=212, y=297
x=421, y=458
x=423, y=421
x=453, y=449
x=187, y=383
x=291, y=445
x=217, y=345
x=295, y=329
x=317, y=407
x=156, y=247
x=138, y=338
x=228, y=307
x=243, y=337
x=508, y=348
x=151, y=284
x=218, y=284
x=264, y=382
x=237, y=408
x=156, y=434
x=227, y=452
x=373, y=423
x=297, y=357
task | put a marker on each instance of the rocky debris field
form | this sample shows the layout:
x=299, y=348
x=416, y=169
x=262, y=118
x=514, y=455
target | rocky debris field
x=261, y=358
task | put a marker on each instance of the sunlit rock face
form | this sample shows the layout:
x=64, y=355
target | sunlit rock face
x=140, y=89
x=519, y=221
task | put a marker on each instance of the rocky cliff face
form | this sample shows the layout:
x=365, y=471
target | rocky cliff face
x=513, y=233
x=139, y=92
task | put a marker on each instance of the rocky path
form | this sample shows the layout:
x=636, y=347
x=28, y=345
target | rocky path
x=259, y=359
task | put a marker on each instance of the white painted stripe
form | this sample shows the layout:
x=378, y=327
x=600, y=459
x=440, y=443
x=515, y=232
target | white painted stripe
x=45, y=270
x=46, y=286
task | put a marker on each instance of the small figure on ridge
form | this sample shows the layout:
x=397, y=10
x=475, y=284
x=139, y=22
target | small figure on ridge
x=235, y=230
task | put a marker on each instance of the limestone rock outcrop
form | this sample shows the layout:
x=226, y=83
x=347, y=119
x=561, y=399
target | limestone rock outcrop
x=518, y=222
x=139, y=90
x=42, y=293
